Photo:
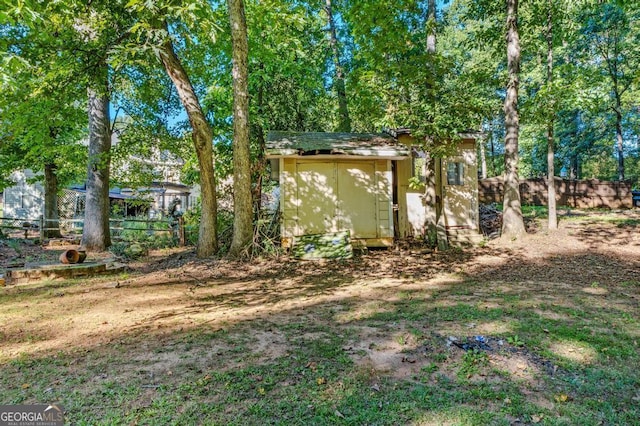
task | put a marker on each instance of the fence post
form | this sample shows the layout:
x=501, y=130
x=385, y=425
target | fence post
x=41, y=228
x=181, y=233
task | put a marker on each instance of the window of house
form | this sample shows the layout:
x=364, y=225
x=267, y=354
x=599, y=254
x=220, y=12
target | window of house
x=455, y=173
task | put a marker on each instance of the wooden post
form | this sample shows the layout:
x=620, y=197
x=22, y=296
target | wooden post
x=41, y=228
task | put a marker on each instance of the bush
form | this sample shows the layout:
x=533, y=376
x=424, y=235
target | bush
x=225, y=226
x=138, y=236
x=191, y=224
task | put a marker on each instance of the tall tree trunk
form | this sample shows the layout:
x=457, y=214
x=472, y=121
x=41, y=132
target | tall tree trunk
x=51, y=223
x=574, y=166
x=95, y=232
x=483, y=159
x=242, y=202
x=261, y=161
x=344, y=121
x=551, y=185
x=202, y=138
x=430, y=196
x=619, y=142
x=493, y=155
x=431, y=27
x=512, y=221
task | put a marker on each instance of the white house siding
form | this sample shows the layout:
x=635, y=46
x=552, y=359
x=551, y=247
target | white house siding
x=23, y=200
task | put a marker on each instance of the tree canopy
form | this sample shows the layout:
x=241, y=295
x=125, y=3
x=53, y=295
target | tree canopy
x=320, y=66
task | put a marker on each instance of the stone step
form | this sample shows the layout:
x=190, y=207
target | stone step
x=41, y=272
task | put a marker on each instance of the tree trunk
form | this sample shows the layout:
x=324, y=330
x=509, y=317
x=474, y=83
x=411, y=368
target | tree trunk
x=202, y=137
x=619, y=143
x=95, y=232
x=242, y=200
x=483, y=159
x=512, y=221
x=574, y=172
x=430, y=196
x=430, y=200
x=260, y=163
x=51, y=223
x=493, y=155
x=431, y=27
x=344, y=121
x=551, y=185
x=551, y=181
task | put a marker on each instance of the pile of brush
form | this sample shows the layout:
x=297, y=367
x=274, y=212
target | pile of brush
x=490, y=220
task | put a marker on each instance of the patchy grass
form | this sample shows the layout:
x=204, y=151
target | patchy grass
x=525, y=331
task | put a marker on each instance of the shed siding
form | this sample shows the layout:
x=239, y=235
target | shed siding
x=460, y=201
x=384, y=185
x=288, y=193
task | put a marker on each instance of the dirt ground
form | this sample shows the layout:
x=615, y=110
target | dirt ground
x=403, y=313
x=173, y=291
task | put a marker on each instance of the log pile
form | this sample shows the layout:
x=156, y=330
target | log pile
x=490, y=220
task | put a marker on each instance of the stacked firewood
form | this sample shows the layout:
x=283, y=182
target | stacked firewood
x=490, y=220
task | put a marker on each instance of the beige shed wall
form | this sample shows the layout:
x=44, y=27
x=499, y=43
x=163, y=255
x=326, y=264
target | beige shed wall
x=460, y=202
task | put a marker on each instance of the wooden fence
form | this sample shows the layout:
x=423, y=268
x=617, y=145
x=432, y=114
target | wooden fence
x=21, y=228
x=588, y=193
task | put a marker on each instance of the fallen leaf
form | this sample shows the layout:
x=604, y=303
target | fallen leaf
x=507, y=401
x=536, y=419
x=338, y=414
x=26, y=386
x=321, y=380
x=562, y=397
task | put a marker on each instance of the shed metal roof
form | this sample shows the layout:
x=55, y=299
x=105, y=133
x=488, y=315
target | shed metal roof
x=294, y=144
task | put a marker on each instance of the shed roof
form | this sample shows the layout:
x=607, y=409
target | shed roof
x=294, y=144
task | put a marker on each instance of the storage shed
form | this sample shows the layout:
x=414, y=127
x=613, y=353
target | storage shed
x=360, y=183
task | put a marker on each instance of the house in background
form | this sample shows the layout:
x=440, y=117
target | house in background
x=162, y=194
x=164, y=169
x=24, y=200
x=333, y=182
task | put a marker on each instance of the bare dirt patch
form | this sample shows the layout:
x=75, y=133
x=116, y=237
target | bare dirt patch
x=172, y=290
